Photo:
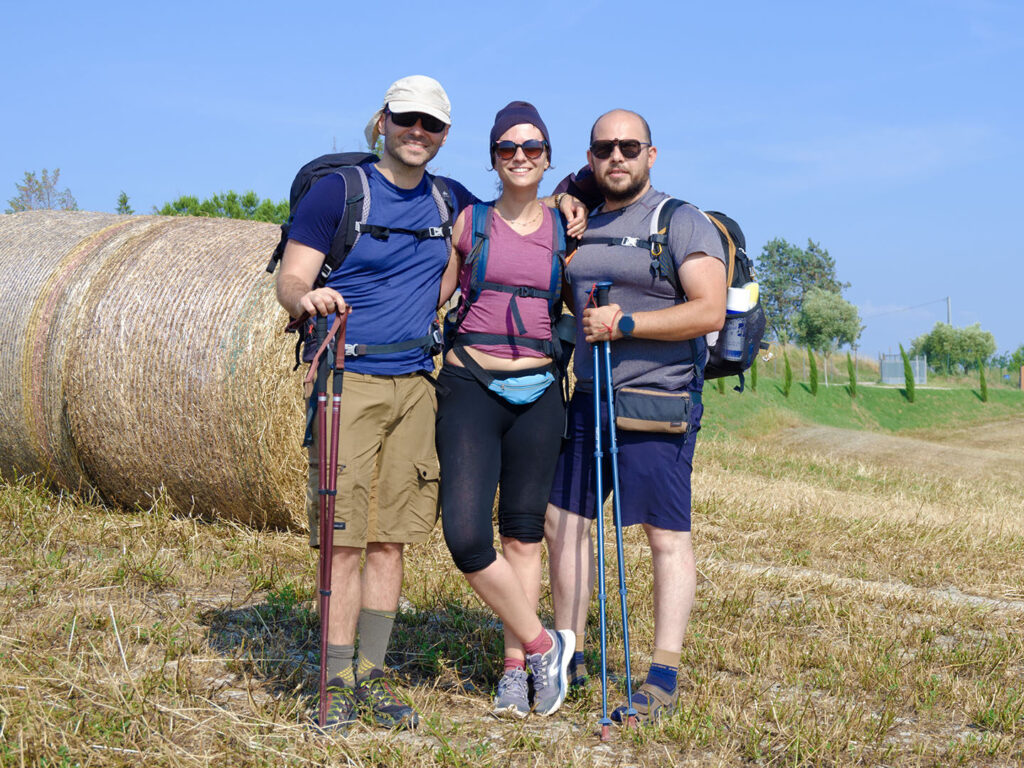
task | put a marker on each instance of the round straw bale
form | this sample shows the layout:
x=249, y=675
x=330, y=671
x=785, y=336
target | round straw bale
x=48, y=259
x=172, y=375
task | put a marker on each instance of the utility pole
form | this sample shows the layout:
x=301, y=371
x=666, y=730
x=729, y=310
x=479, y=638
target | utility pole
x=949, y=312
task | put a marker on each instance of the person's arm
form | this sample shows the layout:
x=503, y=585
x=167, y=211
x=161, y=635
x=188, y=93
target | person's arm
x=299, y=267
x=703, y=281
x=450, y=278
x=575, y=212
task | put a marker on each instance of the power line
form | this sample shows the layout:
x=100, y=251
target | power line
x=906, y=309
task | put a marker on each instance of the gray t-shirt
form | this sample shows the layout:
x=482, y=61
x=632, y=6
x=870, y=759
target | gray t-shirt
x=635, y=287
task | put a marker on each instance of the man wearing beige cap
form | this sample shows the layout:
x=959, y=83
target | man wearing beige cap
x=390, y=281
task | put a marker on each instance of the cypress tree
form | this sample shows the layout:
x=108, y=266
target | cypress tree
x=908, y=375
x=851, y=369
x=812, y=367
x=753, y=375
x=787, y=379
x=984, y=384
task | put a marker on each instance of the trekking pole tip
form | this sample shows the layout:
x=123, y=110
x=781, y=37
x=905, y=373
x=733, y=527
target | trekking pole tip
x=606, y=732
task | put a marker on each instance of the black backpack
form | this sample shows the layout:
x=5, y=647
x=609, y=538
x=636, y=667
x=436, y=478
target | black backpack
x=352, y=225
x=744, y=329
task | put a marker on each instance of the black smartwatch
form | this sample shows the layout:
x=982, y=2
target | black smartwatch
x=626, y=325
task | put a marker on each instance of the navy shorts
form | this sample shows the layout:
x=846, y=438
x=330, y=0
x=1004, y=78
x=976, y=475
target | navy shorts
x=654, y=470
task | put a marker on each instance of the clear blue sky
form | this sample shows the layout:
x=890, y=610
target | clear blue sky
x=889, y=132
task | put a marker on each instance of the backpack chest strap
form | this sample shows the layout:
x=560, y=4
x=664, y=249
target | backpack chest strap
x=378, y=232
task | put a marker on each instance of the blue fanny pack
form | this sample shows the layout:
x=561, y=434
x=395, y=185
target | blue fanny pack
x=521, y=390
x=518, y=390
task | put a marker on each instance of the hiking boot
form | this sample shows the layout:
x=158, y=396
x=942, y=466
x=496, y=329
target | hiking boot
x=550, y=682
x=650, y=703
x=379, y=701
x=513, y=697
x=341, y=706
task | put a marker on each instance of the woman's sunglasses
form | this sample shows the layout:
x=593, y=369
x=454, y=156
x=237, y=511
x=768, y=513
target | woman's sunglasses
x=506, y=150
x=408, y=119
x=630, y=148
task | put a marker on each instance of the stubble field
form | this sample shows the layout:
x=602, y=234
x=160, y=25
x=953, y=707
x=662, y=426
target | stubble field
x=860, y=602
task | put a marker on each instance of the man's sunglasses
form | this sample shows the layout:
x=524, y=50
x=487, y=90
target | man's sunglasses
x=506, y=150
x=630, y=148
x=408, y=119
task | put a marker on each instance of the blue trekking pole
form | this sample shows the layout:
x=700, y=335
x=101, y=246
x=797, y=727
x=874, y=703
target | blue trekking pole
x=606, y=723
x=631, y=712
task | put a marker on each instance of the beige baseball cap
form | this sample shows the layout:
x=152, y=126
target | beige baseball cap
x=416, y=93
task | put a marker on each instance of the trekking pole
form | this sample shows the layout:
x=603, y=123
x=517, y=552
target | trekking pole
x=631, y=712
x=605, y=723
x=327, y=362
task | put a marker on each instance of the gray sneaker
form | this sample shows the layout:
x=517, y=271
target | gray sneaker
x=513, y=697
x=549, y=672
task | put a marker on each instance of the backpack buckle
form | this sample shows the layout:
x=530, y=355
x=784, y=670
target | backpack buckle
x=632, y=242
x=351, y=350
x=431, y=232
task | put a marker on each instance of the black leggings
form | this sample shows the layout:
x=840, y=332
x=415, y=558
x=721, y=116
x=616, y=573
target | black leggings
x=482, y=439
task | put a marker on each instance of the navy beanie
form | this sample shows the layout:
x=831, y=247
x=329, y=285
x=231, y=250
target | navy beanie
x=514, y=113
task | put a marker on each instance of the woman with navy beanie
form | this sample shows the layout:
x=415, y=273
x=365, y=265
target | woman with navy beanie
x=500, y=412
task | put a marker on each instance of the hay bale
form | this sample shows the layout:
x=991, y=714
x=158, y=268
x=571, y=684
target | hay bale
x=164, y=368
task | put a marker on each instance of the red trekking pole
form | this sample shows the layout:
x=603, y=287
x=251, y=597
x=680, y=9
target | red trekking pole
x=327, y=362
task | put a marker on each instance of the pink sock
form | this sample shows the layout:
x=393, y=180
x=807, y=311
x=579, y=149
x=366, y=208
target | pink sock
x=511, y=664
x=540, y=644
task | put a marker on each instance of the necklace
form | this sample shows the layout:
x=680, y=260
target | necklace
x=518, y=223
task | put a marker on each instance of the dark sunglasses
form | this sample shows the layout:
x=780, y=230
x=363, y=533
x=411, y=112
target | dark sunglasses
x=408, y=119
x=630, y=148
x=506, y=150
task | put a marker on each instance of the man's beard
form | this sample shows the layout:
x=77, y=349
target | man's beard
x=613, y=195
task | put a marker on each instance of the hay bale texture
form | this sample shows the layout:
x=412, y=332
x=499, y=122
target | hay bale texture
x=145, y=354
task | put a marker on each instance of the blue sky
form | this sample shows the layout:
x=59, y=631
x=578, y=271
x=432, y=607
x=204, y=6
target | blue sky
x=889, y=132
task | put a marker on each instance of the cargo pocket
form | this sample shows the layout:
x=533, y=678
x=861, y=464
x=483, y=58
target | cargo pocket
x=426, y=504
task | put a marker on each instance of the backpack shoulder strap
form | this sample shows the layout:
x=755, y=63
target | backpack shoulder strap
x=477, y=257
x=445, y=207
x=357, y=207
x=662, y=263
x=558, y=262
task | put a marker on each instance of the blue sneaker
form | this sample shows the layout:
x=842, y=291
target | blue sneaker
x=550, y=681
x=513, y=696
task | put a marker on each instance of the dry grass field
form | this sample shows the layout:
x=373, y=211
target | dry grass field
x=861, y=602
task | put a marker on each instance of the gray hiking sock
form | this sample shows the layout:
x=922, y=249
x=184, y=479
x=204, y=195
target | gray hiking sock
x=374, y=635
x=339, y=663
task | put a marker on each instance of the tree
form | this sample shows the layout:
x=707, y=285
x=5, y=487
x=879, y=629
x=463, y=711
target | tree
x=785, y=274
x=982, y=383
x=753, y=375
x=812, y=366
x=40, y=193
x=122, y=204
x=787, y=377
x=230, y=205
x=908, y=375
x=851, y=371
x=947, y=347
x=825, y=322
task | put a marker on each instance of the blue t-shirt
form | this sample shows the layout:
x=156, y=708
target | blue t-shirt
x=392, y=285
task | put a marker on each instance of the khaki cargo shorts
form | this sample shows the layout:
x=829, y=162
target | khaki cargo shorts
x=386, y=445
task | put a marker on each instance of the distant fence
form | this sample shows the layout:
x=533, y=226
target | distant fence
x=891, y=369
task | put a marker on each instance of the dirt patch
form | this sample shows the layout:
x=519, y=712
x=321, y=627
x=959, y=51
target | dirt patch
x=989, y=451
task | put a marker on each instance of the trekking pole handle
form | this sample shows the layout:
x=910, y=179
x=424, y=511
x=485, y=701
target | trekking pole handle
x=321, y=373
x=602, y=292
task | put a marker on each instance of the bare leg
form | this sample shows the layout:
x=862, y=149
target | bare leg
x=571, y=560
x=346, y=595
x=524, y=558
x=382, y=576
x=498, y=585
x=675, y=584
